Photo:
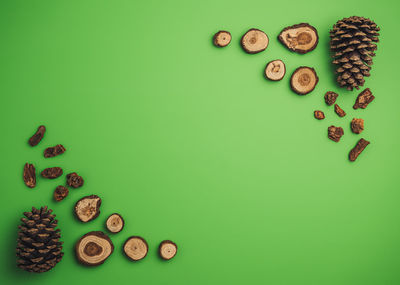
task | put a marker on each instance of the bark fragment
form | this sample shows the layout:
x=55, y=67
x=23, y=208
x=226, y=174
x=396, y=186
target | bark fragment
x=339, y=111
x=60, y=193
x=52, y=172
x=357, y=125
x=38, y=136
x=319, y=115
x=330, y=98
x=363, y=99
x=74, y=180
x=335, y=133
x=54, y=151
x=29, y=175
x=358, y=149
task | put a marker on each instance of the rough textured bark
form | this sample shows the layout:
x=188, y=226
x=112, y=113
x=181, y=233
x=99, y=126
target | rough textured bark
x=29, y=175
x=363, y=99
x=54, y=151
x=357, y=125
x=358, y=149
x=330, y=98
x=335, y=133
x=319, y=115
x=52, y=172
x=74, y=180
x=339, y=111
x=38, y=136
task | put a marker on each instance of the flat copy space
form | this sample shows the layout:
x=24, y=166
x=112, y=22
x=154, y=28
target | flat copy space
x=191, y=143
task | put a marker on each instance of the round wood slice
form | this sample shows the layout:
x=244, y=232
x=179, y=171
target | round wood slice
x=93, y=248
x=275, y=70
x=135, y=248
x=303, y=80
x=300, y=38
x=254, y=41
x=115, y=223
x=222, y=38
x=88, y=208
x=167, y=249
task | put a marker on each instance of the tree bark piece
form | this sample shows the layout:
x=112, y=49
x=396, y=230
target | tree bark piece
x=303, y=80
x=52, y=172
x=319, y=115
x=357, y=125
x=335, y=133
x=167, y=249
x=60, y=193
x=54, y=151
x=358, y=149
x=135, y=248
x=93, y=248
x=74, y=180
x=330, y=98
x=222, y=38
x=275, y=70
x=29, y=175
x=88, y=208
x=339, y=111
x=363, y=99
x=38, y=136
x=254, y=41
x=301, y=38
x=115, y=223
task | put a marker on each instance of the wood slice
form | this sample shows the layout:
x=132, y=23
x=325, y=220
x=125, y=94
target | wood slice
x=88, y=208
x=222, y=38
x=93, y=248
x=275, y=70
x=301, y=38
x=303, y=80
x=254, y=41
x=135, y=248
x=115, y=223
x=167, y=249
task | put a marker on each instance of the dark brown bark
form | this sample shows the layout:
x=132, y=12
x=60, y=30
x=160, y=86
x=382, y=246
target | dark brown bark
x=29, y=175
x=60, y=193
x=74, y=180
x=330, y=98
x=357, y=125
x=38, y=136
x=363, y=99
x=319, y=115
x=54, y=151
x=52, y=172
x=339, y=111
x=335, y=133
x=358, y=149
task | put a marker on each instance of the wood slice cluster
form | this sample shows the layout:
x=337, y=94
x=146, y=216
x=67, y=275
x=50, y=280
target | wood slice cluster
x=167, y=249
x=275, y=70
x=254, y=41
x=93, y=248
x=222, y=38
x=115, y=223
x=88, y=208
x=38, y=136
x=135, y=248
x=29, y=175
x=303, y=80
x=301, y=38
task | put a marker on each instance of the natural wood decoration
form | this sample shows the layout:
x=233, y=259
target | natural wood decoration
x=254, y=41
x=222, y=38
x=339, y=111
x=38, y=136
x=330, y=98
x=363, y=99
x=115, y=223
x=319, y=115
x=300, y=38
x=60, y=193
x=88, y=208
x=135, y=248
x=357, y=125
x=93, y=248
x=303, y=80
x=29, y=175
x=275, y=70
x=358, y=149
x=167, y=249
x=335, y=133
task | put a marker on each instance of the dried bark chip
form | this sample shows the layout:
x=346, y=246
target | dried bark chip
x=335, y=133
x=275, y=70
x=358, y=149
x=29, y=175
x=357, y=125
x=52, y=172
x=303, y=80
x=135, y=248
x=115, y=223
x=38, y=136
x=330, y=98
x=60, y=193
x=222, y=38
x=93, y=248
x=74, y=180
x=54, y=151
x=300, y=38
x=363, y=99
x=339, y=111
x=254, y=41
x=319, y=115
x=88, y=208
x=167, y=249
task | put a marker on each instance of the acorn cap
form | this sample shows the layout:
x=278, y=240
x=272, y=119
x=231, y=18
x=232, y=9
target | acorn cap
x=135, y=248
x=275, y=70
x=93, y=248
x=222, y=38
x=303, y=80
x=88, y=208
x=167, y=249
x=300, y=38
x=115, y=223
x=254, y=41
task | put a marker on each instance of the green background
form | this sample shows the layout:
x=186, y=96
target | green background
x=189, y=142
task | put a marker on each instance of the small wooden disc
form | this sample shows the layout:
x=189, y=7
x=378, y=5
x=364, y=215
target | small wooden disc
x=254, y=41
x=93, y=248
x=303, y=80
x=167, y=249
x=275, y=70
x=136, y=248
x=222, y=38
x=115, y=223
x=88, y=208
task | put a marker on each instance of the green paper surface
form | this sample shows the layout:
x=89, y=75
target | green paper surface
x=191, y=143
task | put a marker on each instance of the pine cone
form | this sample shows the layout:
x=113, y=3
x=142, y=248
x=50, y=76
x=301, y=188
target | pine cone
x=39, y=247
x=353, y=43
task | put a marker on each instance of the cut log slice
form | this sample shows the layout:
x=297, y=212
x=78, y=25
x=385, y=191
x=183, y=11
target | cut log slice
x=222, y=38
x=254, y=41
x=88, y=208
x=167, y=249
x=300, y=38
x=93, y=248
x=115, y=223
x=304, y=79
x=136, y=248
x=275, y=70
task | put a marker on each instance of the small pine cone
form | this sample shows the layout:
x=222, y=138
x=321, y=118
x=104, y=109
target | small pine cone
x=39, y=248
x=353, y=42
